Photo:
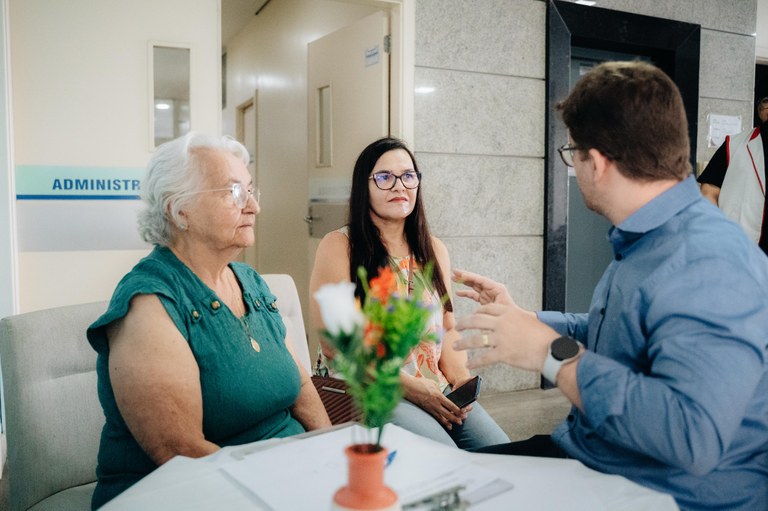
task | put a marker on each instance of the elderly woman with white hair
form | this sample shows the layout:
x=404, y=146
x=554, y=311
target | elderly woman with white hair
x=192, y=352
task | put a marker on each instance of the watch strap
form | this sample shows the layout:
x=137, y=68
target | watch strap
x=553, y=364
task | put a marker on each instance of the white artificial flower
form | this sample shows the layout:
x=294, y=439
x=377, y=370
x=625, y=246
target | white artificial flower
x=338, y=308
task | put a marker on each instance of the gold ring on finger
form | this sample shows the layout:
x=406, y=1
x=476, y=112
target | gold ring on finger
x=486, y=342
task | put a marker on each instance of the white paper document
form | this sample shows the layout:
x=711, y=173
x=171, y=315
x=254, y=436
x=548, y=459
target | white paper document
x=720, y=126
x=318, y=465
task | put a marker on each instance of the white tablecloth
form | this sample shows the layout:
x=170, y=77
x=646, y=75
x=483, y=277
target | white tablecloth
x=303, y=473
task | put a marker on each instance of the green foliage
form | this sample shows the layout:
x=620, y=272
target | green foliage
x=370, y=358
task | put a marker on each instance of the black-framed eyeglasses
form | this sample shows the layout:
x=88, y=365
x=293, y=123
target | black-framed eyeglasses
x=240, y=193
x=566, y=153
x=386, y=180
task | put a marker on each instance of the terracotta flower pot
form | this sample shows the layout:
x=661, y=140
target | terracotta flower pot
x=365, y=489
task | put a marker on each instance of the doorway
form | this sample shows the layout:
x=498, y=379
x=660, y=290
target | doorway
x=591, y=33
x=348, y=98
x=761, y=87
x=588, y=250
x=247, y=134
x=271, y=56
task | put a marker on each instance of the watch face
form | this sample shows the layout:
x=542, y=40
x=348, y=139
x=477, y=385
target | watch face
x=564, y=348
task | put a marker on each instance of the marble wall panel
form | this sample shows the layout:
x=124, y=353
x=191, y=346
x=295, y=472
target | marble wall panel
x=495, y=36
x=483, y=195
x=678, y=11
x=504, y=378
x=707, y=106
x=736, y=16
x=727, y=66
x=516, y=262
x=474, y=113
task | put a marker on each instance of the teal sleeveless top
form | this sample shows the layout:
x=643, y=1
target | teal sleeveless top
x=246, y=394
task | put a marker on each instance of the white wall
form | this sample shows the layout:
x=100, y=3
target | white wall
x=80, y=98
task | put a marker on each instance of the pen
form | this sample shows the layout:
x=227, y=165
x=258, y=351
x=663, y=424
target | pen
x=390, y=458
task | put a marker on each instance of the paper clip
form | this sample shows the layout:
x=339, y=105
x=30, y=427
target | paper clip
x=444, y=500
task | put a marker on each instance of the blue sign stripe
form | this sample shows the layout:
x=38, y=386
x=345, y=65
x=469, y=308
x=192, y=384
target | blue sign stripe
x=78, y=197
x=52, y=182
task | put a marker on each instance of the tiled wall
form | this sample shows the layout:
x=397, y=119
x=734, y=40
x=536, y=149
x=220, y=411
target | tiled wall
x=479, y=135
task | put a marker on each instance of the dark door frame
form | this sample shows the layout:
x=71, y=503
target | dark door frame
x=673, y=46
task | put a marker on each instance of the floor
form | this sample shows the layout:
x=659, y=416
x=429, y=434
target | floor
x=524, y=413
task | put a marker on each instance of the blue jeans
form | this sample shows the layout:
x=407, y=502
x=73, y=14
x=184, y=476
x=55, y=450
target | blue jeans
x=478, y=429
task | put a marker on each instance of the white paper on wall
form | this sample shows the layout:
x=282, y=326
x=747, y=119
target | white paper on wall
x=719, y=126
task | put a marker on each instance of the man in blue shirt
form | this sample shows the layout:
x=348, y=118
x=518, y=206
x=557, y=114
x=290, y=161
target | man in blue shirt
x=669, y=378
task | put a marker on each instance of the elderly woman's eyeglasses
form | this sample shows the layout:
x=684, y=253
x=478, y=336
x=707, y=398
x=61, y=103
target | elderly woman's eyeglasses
x=240, y=194
x=566, y=153
x=387, y=180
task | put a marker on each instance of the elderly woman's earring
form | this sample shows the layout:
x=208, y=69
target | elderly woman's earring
x=182, y=226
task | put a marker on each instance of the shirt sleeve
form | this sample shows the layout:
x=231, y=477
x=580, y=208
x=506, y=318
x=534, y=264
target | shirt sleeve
x=705, y=360
x=135, y=283
x=714, y=172
x=572, y=325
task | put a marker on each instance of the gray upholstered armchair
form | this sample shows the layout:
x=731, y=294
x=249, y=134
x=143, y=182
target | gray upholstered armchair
x=53, y=416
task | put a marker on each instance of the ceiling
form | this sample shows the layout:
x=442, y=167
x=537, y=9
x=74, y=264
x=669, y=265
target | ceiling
x=235, y=14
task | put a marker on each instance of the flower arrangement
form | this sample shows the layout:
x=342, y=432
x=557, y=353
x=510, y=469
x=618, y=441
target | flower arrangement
x=371, y=342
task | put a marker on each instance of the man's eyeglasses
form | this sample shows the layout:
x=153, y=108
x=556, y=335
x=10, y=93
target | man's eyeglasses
x=387, y=180
x=240, y=194
x=566, y=153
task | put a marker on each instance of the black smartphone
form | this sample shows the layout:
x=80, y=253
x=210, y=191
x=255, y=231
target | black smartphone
x=467, y=393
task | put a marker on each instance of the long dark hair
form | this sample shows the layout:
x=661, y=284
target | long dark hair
x=365, y=246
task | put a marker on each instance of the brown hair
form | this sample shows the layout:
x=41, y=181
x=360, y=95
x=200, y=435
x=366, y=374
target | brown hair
x=633, y=113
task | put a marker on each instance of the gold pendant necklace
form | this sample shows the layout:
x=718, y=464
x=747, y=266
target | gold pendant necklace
x=247, y=331
x=234, y=287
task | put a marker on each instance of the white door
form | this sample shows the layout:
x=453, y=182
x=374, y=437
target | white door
x=348, y=108
x=348, y=100
x=247, y=135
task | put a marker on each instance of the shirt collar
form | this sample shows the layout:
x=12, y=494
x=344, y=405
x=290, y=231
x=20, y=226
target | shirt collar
x=655, y=213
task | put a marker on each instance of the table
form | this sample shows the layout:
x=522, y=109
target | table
x=303, y=472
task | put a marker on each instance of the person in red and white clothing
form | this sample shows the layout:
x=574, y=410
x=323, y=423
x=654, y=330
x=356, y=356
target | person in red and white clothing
x=734, y=179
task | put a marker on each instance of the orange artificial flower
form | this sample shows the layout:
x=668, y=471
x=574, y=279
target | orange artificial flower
x=383, y=285
x=372, y=334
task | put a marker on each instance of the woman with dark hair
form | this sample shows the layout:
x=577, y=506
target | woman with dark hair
x=387, y=226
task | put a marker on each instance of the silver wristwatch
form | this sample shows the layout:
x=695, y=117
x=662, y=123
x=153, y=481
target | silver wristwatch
x=561, y=351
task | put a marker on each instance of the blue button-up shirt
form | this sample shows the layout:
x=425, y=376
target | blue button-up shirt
x=675, y=383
